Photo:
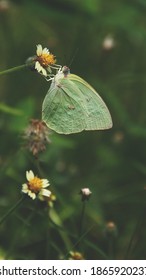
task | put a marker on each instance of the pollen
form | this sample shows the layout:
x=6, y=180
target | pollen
x=35, y=184
x=46, y=59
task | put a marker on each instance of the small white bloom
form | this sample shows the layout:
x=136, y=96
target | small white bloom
x=44, y=61
x=85, y=193
x=35, y=186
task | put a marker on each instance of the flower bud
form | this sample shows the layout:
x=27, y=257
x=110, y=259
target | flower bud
x=85, y=193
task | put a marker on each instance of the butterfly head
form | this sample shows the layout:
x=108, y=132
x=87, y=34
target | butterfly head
x=65, y=71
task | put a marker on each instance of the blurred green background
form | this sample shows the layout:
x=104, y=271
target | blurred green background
x=104, y=42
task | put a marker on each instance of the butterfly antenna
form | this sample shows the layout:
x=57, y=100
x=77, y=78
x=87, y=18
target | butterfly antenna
x=73, y=56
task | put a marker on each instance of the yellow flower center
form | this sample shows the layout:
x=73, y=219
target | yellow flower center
x=35, y=184
x=76, y=256
x=46, y=59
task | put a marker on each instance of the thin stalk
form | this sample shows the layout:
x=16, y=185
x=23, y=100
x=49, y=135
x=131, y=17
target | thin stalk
x=111, y=247
x=137, y=229
x=54, y=213
x=82, y=218
x=38, y=166
x=59, y=225
x=78, y=241
x=47, y=244
x=12, y=209
x=17, y=68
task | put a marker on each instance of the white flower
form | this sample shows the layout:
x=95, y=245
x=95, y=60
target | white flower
x=85, y=193
x=35, y=186
x=44, y=60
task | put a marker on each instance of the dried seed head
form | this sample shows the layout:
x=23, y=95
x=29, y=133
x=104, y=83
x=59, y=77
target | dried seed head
x=36, y=136
x=111, y=229
x=108, y=43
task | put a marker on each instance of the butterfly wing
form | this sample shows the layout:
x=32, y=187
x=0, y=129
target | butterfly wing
x=64, y=107
x=99, y=117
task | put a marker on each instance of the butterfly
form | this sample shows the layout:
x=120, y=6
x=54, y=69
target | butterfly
x=72, y=105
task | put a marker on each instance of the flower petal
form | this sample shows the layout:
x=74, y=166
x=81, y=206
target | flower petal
x=45, y=183
x=45, y=51
x=31, y=194
x=38, y=66
x=39, y=50
x=44, y=72
x=24, y=188
x=29, y=175
x=45, y=192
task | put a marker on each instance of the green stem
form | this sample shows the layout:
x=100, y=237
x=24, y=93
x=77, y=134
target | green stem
x=59, y=225
x=134, y=237
x=38, y=166
x=82, y=218
x=78, y=241
x=17, y=68
x=12, y=209
x=111, y=247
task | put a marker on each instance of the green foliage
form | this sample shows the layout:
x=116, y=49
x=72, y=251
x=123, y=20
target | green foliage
x=103, y=42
